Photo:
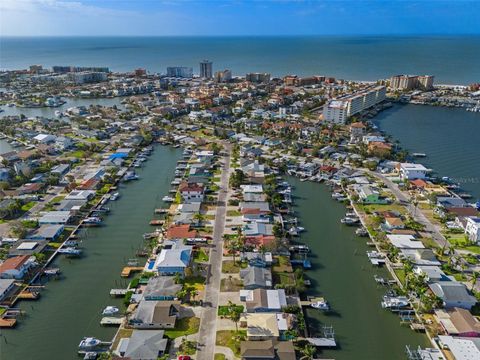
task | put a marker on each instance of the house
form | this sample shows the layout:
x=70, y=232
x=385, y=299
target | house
x=271, y=350
x=405, y=241
x=461, y=348
x=27, y=247
x=258, y=228
x=453, y=294
x=369, y=195
x=191, y=192
x=55, y=217
x=257, y=258
x=472, y=228
x=6, y=285
x=161, y=288
x=450, y=201
x=173, y=259
x=63, y=143
x=260, y=326
x=155, y=315
x=60, y=170
x=422, y=257
x=262, y=300
x=30, y=188
x=458, y=322
x=393, y=222
x=146, y=345
x=357, y=131
x=256, y=278
x=254, y=207
x=189, y=207
x=431, y=273
x=411, y=171
x=80, y=195
x=178, y=232
x=16, y=267
x=46, y=232
x=45, y=138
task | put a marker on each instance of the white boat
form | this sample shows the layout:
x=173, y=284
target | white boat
x=71, y=243
x=110, y=310
x=361, y=232
x=396, y=302
x=114, y=196
x=350, y=221
x=130, y=175
x=374, y=255
x=351, y=214
x=419, y=155
x=337, y=195
x=92, y=220
x=168, y=199
x=321, y=304
x=303, y=249
x=71, y=251
x=88, y=343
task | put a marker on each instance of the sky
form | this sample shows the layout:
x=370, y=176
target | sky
x=236, y=17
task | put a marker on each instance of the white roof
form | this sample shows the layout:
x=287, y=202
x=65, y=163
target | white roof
x=412, y=166
x=462, y=348
x=276, y=299
x=252, y=188
x=405, y=242
x=27, y=245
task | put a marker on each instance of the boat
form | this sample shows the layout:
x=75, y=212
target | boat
x=88, y=343
x=71, y=243
x=350, y=221
x=102, y=209
x=299, y=248
x=51, y=271
x=130, y=175
x=395, y=302
x=114, y=196
x=361, y=232
x=168, y=199
x=419, y=154
x=92, y=220
x=321, y=304
x=374, y=255
x=337, y=195
x=110, y=310
x=70, y=251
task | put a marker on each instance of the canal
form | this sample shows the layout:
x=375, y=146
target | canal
x=342, y=274
x=70, y=308
x=449, y=137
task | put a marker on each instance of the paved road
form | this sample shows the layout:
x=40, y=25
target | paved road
x=414, y=211
x=208, y=330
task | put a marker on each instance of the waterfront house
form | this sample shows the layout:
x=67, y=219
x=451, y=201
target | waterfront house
x=260, y=326
x=258, y=228
x=180, y=232
x=357, y=131
x=422, y=257
x=257, y=258
x=411, y=171
x=447, y=202
x=431, y=273
x=472, y=228
x=6, y=285
x=71, y=205
x=460, y=348
x=173, y=258
x=191, y=192
x=161, y=288
x=27, y=247
x=55, y=217
x=155, y=315
x=145, y=345
x=46, y=232
x=263, y=300
x=368, y=195
x=458, y=322
x=405, y=241
x=192, y=208
x=453, y=294
x=80, y=195
x=271, y=350
x=254, y=207
x=16, y=267
x=393, y=222
x=256, y=278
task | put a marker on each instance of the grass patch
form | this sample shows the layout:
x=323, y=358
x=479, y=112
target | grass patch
x=122, y=333
x=198, y=282
x=183, y=327
x=28, y=206
x=283, y=278
x=79, y=154
x=230, y=267
x=231, y=339
x=224, y=310
x=400, y=275
x=282, y=265
x=232, y=284
x=200, y=256
x=233, y=213
x=219, y=357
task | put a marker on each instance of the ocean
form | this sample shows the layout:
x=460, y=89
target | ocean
x=451, y=59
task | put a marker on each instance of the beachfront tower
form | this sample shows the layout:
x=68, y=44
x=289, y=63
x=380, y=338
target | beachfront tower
x=206, y=70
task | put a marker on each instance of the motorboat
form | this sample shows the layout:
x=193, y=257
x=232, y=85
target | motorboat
x=350, y=221
x=130, y=175
x=374, y=255
x=71, y=243
x=88, y=343
x=110, y=310
x=321, y=304
x=92, y=220
x=351, y=214
x=114, y=196
x=361, y=232
x=303, y=249
x=70, y=251
x=396, y=302
x=168, y=199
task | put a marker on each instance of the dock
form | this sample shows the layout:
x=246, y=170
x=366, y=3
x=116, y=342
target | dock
x=311, y=300
x=7, y=323
x=306, y=264
x=322, y=342
x=156, y=222
x=118, y=292
x=28, y=295
x=161, y=211
x=128, y=270
x=111, y=321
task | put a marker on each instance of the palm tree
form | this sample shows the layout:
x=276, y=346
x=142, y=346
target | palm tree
x=475, y=276
x=308, y=352
x=234, y=313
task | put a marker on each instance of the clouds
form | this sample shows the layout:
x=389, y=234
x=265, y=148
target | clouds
x=235, y=17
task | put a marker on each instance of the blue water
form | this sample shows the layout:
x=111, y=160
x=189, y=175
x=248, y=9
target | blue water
x=452, y=59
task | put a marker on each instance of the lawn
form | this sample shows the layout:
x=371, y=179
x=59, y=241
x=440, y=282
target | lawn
x=231, y=339
x=184, y=326
x=79, y=154
x=219, y=357
x=232, y=284
x=283, y=278
x=400, y=274
x=122, y=333
x=283, y=264
x=196, y=281
x=371, y=208
x=233, y=213
x=201, y=256
x=28, y=206
x=230, y=267
x=224, y=310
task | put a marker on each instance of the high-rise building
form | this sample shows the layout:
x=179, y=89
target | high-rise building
x=339, y=110
x=410, y=82
x=206, y=69
x=180, y=71
x=258, y=77
x=223, y=76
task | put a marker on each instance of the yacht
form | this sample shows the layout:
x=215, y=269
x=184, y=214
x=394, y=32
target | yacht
x=350, y=221
x=321, y=304
x=88, y=343
x=70, y=251
x=71, y=243
x=130, y=175
x=114, y=196
x=168, y=199
x=361, y=232
x=110, y=310
x=92, y=220
x=303, y=249
x=395, y=302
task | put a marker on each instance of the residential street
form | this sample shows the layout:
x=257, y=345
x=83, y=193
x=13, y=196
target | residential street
x=207, y=332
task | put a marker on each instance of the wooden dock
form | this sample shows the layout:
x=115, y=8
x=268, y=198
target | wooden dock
x=28, y=295
x=111, y=321
x=118, y=292
x=128, y=270
x=7, y=323
x=311, y=300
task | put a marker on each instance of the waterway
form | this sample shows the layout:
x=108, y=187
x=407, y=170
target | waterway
x=49, y=112
x=449, y=137
x=70, y=308
x=343, y=275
